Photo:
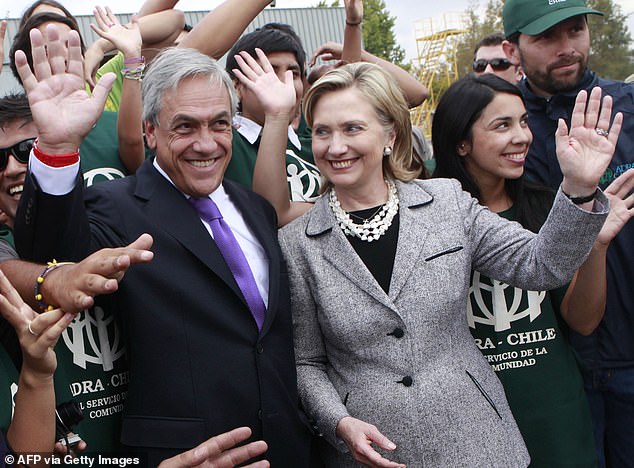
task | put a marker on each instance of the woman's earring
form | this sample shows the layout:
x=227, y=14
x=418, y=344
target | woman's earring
x=387, y=151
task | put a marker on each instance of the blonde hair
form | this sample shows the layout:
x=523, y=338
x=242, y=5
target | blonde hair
x=384, y=95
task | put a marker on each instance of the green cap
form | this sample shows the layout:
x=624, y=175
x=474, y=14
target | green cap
x=533, y=17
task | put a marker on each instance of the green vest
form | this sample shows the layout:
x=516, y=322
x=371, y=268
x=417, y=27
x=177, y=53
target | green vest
x=99, y=152
x=304, y=179
x=8, y=388
x=520, y=334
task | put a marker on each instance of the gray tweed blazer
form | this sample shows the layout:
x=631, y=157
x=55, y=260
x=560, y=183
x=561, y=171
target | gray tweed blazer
x=405, y=361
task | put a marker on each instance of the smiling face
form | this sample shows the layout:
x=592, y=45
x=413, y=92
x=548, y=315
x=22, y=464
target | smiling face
x=555, y=60
x=12, y=178
x=192, y=141
x=348, y=142
x=499, y=143
x=281, y=63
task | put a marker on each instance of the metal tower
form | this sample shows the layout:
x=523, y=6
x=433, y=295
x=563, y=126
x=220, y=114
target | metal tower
x=436, y=42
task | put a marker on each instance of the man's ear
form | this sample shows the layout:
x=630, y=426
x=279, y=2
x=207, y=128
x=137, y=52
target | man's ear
x=464, y=149
x=239, y=87
x=150, y=135
x=511, y=50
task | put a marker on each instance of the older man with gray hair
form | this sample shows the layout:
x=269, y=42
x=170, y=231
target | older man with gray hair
x=208, y=321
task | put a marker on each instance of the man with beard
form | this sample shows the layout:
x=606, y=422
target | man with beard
x=551, y=41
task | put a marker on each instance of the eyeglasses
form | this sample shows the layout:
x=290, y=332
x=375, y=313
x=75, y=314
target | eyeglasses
x=498, y=64
x=21, y=150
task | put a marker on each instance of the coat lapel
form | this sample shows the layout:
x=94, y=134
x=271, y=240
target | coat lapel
x=170, y=211
x=412, y=233
x=338, y=251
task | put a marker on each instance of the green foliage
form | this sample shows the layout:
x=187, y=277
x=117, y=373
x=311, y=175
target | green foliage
x=378, y=32
x=324, y=4
x=610, y=55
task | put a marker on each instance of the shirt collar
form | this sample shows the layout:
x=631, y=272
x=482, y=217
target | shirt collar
x=217, y=195
x=252, y=130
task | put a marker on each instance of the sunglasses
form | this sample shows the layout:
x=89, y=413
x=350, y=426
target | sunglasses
x=21, y=151
x=498, y=64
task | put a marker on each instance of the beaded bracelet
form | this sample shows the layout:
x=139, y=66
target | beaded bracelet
x=50, y=266
x=135, y=73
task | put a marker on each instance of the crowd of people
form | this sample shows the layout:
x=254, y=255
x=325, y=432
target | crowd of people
x=252, y=264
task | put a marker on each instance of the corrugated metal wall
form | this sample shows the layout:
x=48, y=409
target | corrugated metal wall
x=314, y=25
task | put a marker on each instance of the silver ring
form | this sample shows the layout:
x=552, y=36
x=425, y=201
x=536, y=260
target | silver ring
x=600, y=131
x=31, y=330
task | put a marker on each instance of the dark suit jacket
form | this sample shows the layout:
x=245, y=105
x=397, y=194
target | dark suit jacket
x=198, y=365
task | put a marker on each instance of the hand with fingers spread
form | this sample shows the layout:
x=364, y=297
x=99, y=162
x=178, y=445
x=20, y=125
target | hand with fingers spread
x=585, y=150
x=276, y=97
x=126, y=39
x=359, y=437
x=62, y=110
x=221, y=452
x=619, y=192
x=73, y=287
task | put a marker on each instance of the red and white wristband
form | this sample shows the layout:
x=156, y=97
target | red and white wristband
x=55, y=160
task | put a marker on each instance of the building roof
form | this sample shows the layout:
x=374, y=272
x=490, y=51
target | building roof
x=313, y=25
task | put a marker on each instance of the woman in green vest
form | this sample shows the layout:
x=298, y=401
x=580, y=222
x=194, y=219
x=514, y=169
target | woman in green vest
x=481, y=136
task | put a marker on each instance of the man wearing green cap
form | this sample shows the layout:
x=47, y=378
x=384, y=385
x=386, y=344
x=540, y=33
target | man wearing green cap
x=551, y=41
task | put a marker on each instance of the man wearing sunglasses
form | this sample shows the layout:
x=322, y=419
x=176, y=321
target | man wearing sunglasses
x=489, y=57
x=551, y=41
x=16, y=140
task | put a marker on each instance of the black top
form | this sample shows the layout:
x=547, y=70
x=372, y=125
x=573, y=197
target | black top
x=378, y=255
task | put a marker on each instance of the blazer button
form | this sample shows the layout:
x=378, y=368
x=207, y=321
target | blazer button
x=260, y=349
x=407, y=381
x=260, y=414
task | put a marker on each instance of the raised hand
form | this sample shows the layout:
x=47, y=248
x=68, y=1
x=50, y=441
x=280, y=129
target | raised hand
x=63, y=111
x=221, y=452
x=73, y=287
x=585, y=150
x=277, y=98
x=354, y=11
x=359, y=437
x=37, y=333
x=126, y=39
x=619, y=192
x=326, y=52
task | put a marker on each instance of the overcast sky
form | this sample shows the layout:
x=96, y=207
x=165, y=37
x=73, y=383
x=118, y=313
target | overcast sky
x=405, y=11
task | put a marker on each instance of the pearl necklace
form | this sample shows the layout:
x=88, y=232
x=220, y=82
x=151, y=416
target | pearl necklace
x=371, y=229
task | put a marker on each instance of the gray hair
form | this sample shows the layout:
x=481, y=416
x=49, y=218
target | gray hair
x=172, y=66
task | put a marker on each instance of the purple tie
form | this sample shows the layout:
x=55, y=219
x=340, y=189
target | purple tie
x=233, y=255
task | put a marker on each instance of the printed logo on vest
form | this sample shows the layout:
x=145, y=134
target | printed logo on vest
x=507, y=311
x=303, y=179
x=91, y=338
x=105, y=173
